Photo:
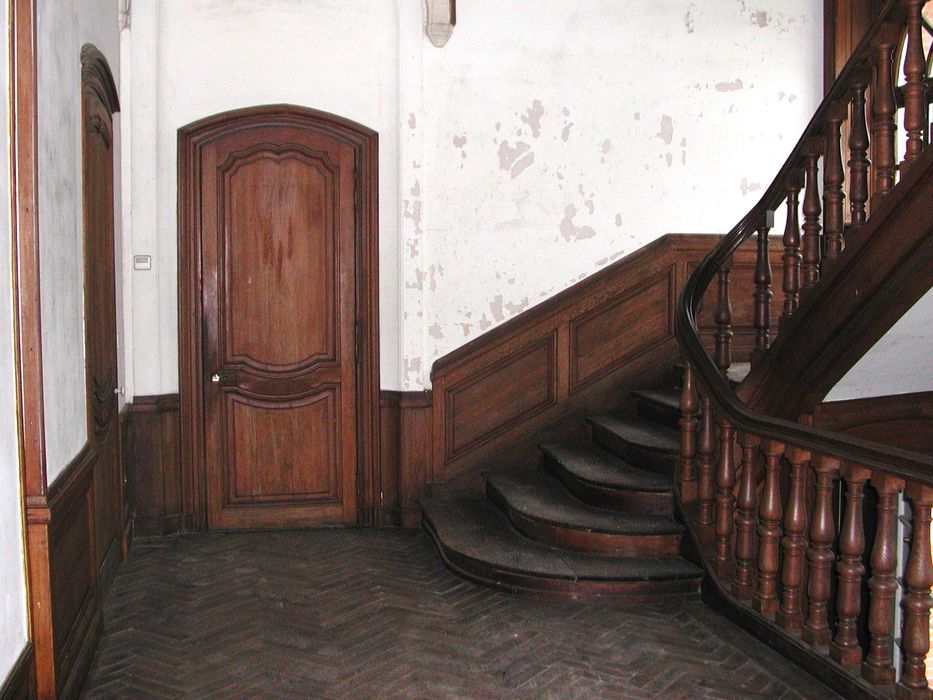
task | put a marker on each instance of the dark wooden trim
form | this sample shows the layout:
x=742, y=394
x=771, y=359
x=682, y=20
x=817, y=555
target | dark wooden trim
x=20, y=683
x=406, y=455
x=902, y=420
x=364, y=141
x=95, y=73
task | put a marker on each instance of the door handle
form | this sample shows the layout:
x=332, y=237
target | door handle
x=223, y=378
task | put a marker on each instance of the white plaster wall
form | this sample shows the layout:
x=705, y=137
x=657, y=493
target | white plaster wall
x=559, y=136
x=194, y=58
x=547, y=139
x=64, y=26
x=12, y=572
x=899, y=363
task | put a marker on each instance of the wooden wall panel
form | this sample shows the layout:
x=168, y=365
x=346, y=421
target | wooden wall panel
x=153, y=466
x=614, y=333
x=540, y=373
x=904, y=420
x=63, y=577
x=509, y=390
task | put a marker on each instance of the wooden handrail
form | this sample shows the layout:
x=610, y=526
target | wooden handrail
x=893, y=461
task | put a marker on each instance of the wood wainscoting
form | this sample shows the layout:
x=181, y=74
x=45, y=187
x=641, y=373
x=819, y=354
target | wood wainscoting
x=63, y=577
x=904, y=420
x=20, y=683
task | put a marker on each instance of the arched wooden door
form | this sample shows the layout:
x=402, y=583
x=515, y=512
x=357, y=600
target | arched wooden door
x=99, y=103
x=274, y=220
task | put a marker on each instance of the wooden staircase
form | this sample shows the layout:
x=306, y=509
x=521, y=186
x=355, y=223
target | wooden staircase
x=594, y=522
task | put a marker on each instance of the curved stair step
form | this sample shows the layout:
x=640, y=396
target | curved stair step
x=641, y=442
x=660, y=405
x=476, y=540
x=601, y=479
x=540, y=508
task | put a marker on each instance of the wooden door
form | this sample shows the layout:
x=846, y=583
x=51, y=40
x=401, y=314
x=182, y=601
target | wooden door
x=278, y=308
x=99, y=102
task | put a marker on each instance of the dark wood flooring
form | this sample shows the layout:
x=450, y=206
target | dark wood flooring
x=374, y=614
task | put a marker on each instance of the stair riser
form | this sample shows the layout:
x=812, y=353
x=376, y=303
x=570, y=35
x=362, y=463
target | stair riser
x=624, y=500
x=655, y=461
x=576, y=540
x=659, y=413
x=653, y=591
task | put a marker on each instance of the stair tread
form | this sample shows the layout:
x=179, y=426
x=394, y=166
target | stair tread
x=639, y=431
x=474, y=528
x=594, y=465
x=668, y=398
x=541, y=497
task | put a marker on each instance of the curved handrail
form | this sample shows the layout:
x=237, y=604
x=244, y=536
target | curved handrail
x=893, y=461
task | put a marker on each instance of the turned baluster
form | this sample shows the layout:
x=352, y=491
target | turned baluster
x=746, y=506
x=725, y=498
x=858, y=150
x=763, y=291
x=915, y=634
x=688, y=436
x=769, y=531
x=792, y=256
x=850, y=570
x=794, y=545
x=810, y=269
x=833, y=177
x=723, y=320
x=878, y=667
x=915, y=106
x=884, y=122
x=706, y=446
x=820, y=553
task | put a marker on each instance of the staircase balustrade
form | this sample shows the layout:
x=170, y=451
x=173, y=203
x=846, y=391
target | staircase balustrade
x=763, y=489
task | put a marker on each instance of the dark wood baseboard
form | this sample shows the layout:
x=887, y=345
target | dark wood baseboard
x=20, y=683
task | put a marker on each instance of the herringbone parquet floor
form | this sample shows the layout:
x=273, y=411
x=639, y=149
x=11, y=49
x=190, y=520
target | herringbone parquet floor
x=373, y=614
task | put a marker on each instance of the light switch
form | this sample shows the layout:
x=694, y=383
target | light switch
x=142, y=262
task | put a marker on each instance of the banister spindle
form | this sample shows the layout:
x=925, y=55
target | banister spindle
x=820, y=554
x=915, y=105
x=688, y=436
x=858, y=150
x=878, y=667
x=706, y=446
x=769, y=531
x=850, y=570
x=763, y=291
x=810, y=241
x=723, y=320
x=884, y=122
x=833, y=177
x=915, y=634
x=794, y=545
x=746, y=506
x=792, y=257
x=725, y=498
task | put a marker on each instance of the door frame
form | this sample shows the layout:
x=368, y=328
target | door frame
x=365, y=144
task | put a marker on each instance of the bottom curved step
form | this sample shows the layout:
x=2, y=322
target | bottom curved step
x=477, y=541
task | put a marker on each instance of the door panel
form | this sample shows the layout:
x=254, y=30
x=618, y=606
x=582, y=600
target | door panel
x=100, y=323
x=278, y=307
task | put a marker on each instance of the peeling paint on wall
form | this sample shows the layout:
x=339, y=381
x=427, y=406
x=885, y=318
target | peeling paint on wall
x=666, y=134
x=532, y=117
x=730, y=86
x=747, y=186
x=515, y=160
x=569, y=230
